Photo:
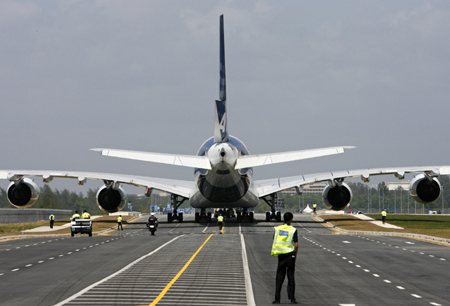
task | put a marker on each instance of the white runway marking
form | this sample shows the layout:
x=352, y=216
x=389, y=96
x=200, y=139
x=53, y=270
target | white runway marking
x=416, y=296
x=248, y=280
x=204, y=230
x=114, y=274
x=400, y=287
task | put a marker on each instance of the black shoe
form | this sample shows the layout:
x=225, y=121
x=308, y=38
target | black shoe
x=294, y=301
x=275, y=302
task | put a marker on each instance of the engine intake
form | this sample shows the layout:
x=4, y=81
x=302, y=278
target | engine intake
x=338, y=197
x=424, y=190
x=111, y=200
x=23, y=194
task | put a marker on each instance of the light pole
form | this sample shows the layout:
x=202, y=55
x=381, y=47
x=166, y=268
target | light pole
x=442, y=195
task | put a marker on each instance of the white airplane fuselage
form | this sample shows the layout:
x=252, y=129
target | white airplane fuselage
x=223, y=186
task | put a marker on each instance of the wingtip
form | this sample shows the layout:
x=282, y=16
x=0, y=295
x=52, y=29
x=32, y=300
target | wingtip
x=96, y=150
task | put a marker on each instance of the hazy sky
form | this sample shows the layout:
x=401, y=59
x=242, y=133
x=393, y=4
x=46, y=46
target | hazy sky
x=143, y=75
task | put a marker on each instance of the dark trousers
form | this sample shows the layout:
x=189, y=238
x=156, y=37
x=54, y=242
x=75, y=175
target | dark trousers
x=220, y=225
x=383, y=218
x=286, y=263
x=119, y=225
x=51, y=223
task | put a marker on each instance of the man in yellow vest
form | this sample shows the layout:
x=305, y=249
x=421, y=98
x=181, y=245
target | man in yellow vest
x=52, y=219
x=285, y=247
x=314, y=207
x=383, y=215
x=86, y=215
x=119, y=223
x=76, y=215
x=220, y=222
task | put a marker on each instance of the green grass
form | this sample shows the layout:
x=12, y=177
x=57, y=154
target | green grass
x=432, y=225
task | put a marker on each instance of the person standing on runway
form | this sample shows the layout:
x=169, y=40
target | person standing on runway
x=285, y=247
x=119, y=223
x=52, y=219
x=383, y=215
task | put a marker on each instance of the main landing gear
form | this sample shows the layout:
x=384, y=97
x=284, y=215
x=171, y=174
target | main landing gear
x=176, y=202
x=244, y=216
x=202, y=216
x=272, y=215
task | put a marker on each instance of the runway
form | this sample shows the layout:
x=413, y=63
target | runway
x=192, y=264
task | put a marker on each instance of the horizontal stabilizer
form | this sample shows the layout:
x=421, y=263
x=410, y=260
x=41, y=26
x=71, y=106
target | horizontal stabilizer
x=248, y=161
x=171, y=159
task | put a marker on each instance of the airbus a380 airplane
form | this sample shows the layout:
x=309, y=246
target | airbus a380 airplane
x=223, y=174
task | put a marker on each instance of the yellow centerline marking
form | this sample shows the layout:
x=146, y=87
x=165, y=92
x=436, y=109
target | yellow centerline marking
x=161, y=295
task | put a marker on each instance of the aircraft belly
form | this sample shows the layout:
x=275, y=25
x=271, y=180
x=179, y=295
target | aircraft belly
x=249, y=200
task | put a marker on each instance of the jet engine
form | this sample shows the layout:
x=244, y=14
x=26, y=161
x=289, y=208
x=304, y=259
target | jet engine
x=338, y=197
x=23, y=194
x=111, y=200
x=424, y=190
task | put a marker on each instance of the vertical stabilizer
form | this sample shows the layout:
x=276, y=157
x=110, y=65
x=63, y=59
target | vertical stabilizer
x=220, y=121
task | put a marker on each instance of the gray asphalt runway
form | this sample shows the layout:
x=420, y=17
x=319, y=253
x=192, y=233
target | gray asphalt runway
x=192, y=264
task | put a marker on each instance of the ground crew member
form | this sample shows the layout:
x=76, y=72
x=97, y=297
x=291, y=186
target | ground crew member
x=76, y=215
x=119, y=223
x=285, y=247
x=314, y=207
x=383, y=215
x=52, y=219
x=220, y=222
x=86, y=215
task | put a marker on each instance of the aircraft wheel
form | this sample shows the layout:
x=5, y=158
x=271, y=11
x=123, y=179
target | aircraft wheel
x=251, y=217
x=209, y=217
x=197, y=217
x=279, y=216
x=169, y=218
x=267, y=216
x=180, y=217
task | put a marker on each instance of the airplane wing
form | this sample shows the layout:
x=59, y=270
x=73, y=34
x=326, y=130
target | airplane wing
x=248, y=161
x=266, y=187
x=193, y=161
x=178, y=187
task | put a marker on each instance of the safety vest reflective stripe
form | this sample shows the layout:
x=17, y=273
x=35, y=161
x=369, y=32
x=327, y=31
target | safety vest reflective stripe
x=383, y=213
x=282, y=243
x=119, y=219
x=220, y=219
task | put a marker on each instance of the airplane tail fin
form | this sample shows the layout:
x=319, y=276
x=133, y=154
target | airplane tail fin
x=220, y=121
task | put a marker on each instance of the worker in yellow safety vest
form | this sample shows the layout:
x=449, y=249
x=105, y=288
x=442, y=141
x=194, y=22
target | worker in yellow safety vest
x=314, y=207
x=52, y=219
x=383, y=215
x=220, y=222
x=76, y=215
x=86, y=215
x=285, y=247
x=119, y=223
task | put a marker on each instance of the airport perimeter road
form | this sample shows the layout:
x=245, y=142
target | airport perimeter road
x=192, y=264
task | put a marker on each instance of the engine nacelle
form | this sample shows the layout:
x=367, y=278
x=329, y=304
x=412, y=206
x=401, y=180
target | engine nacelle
x=338, y=197
x=424, y=190
x=110, y=200
x=23, y=194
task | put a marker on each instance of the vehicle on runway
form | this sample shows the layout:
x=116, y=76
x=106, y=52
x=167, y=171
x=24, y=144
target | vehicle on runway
x=223, y=174
x=81, y=226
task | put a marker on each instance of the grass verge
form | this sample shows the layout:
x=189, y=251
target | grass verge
x=431, y=225
x=99, y=224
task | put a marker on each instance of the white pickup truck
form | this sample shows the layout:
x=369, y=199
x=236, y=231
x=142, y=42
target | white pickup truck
x=82, y=226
